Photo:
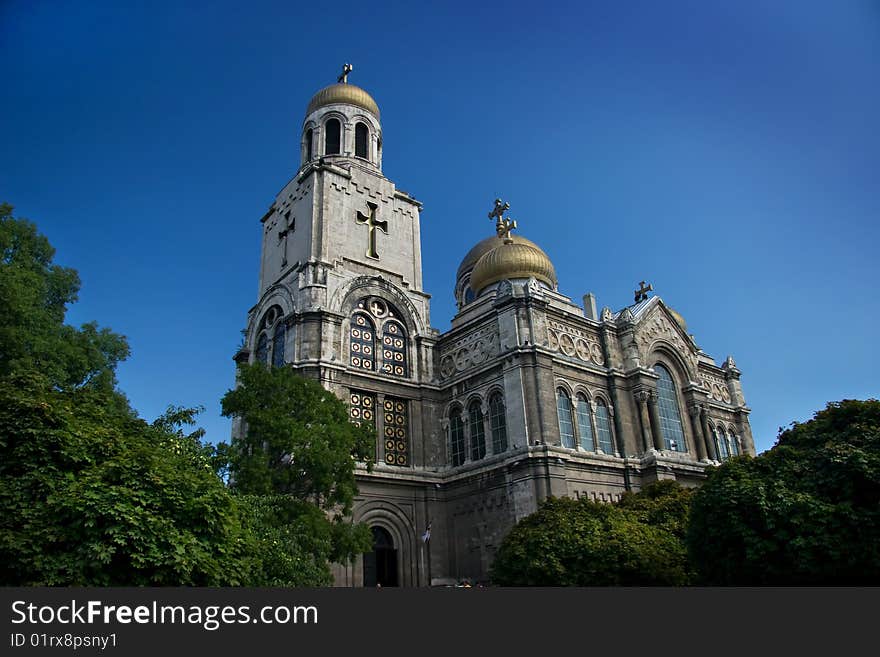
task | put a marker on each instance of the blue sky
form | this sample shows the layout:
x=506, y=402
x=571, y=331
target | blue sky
x=727, y=152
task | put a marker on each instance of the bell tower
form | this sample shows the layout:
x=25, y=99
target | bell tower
x=338, y=226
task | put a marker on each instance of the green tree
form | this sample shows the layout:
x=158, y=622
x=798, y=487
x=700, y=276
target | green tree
x=34, y=295
x=805, y=512
x=581, y=543
x=89, y=493
x=295, y=462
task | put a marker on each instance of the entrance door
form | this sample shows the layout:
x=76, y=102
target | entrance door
x=380, y=565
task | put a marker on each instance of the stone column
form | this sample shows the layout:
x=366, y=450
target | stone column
x=699, y=439
x=642, y=399
x=593, y=428
x=659, y=443
x=487, y=429
x=707, y=433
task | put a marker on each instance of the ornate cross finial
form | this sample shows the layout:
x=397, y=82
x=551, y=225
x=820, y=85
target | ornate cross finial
x=502, y=226
x=642, y=292
x=346, y=69
x=370, y=222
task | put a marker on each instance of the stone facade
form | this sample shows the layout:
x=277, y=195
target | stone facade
x=528, y=395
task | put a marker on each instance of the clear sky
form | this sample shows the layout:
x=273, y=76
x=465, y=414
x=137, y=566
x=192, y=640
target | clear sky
x=726, y=152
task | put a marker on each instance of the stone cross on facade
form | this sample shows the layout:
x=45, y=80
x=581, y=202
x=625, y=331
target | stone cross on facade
x=343, y=77
x=502, y=226
x=642, y=292
x=370, y=222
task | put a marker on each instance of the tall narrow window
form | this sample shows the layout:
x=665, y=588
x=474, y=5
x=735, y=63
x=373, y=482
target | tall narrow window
x=363, y=351
x=563, y=410
x=394, y=349
x=332, y=139
x=361, y=140
x=603, y=428
x=456, y=437
x=498, y=422
x=721, y=443
x=396, y=429
x=478, y=433
x=362, y=409
x=263, y=349
x=670, y=415
x=585, y=429
x=278, y=345
x=734, y=444
x=310, y=135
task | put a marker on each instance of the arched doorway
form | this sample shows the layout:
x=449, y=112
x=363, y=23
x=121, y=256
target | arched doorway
x=380, y=565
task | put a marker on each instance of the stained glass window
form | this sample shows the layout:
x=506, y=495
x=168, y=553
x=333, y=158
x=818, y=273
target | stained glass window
x=362, y=408
x=478, y=432
x=362, y=342
x=394, y=349
x=563, y=410
x=456, y=437
x=603, y=428
x=670, y=416
x=498, y=422
x=263, y=349
x=278, y=346
x=396, y=431
x=585, y=429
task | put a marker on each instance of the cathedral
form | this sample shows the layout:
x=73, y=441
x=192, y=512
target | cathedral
x=528, y=395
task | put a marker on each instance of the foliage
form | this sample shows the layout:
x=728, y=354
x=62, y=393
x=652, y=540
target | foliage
x=34, y=294
x=298, y=452
x=582, y=543
x=805, y=512
x=91, y=495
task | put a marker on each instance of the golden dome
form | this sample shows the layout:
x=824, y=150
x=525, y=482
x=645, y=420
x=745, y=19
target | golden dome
x=349, y=94
x=483, y=247
x=516, y=260
x=678, y=318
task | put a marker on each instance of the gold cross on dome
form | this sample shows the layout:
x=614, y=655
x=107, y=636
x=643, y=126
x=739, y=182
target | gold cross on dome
x=642, y=292
x=370, y=222
x=343, y=77
x=502, y=226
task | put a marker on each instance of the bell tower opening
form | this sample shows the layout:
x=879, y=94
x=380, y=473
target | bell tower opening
x=380, y=565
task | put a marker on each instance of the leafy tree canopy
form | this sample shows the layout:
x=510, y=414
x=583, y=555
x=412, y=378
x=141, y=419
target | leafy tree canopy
x=294, y=463
x=91, y=495
x=582, y=543
x=805, y=512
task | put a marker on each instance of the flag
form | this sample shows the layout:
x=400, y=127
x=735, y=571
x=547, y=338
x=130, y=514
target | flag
x=427, y=535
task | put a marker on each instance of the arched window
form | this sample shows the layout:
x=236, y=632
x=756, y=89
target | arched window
x=332, y=139
x=670, y=415
x=310, y=134
x=394, y=349
x=498, y=422
x=469, y=295
x=563, y=410
x=603, y=428
x=456, y=437
x=278, y=345
x=361, y=140
x=363, y=350
x=263, y=349
x=478, y=433
x=585, y=429
x=734, y=444
x=720, y=443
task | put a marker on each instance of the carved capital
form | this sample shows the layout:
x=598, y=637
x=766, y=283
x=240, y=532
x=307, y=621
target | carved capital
x=642, y=396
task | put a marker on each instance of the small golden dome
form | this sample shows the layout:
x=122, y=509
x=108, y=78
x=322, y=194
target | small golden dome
x=516, y=260
x=678, y=318
x=483, y=247
x=349, y=94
